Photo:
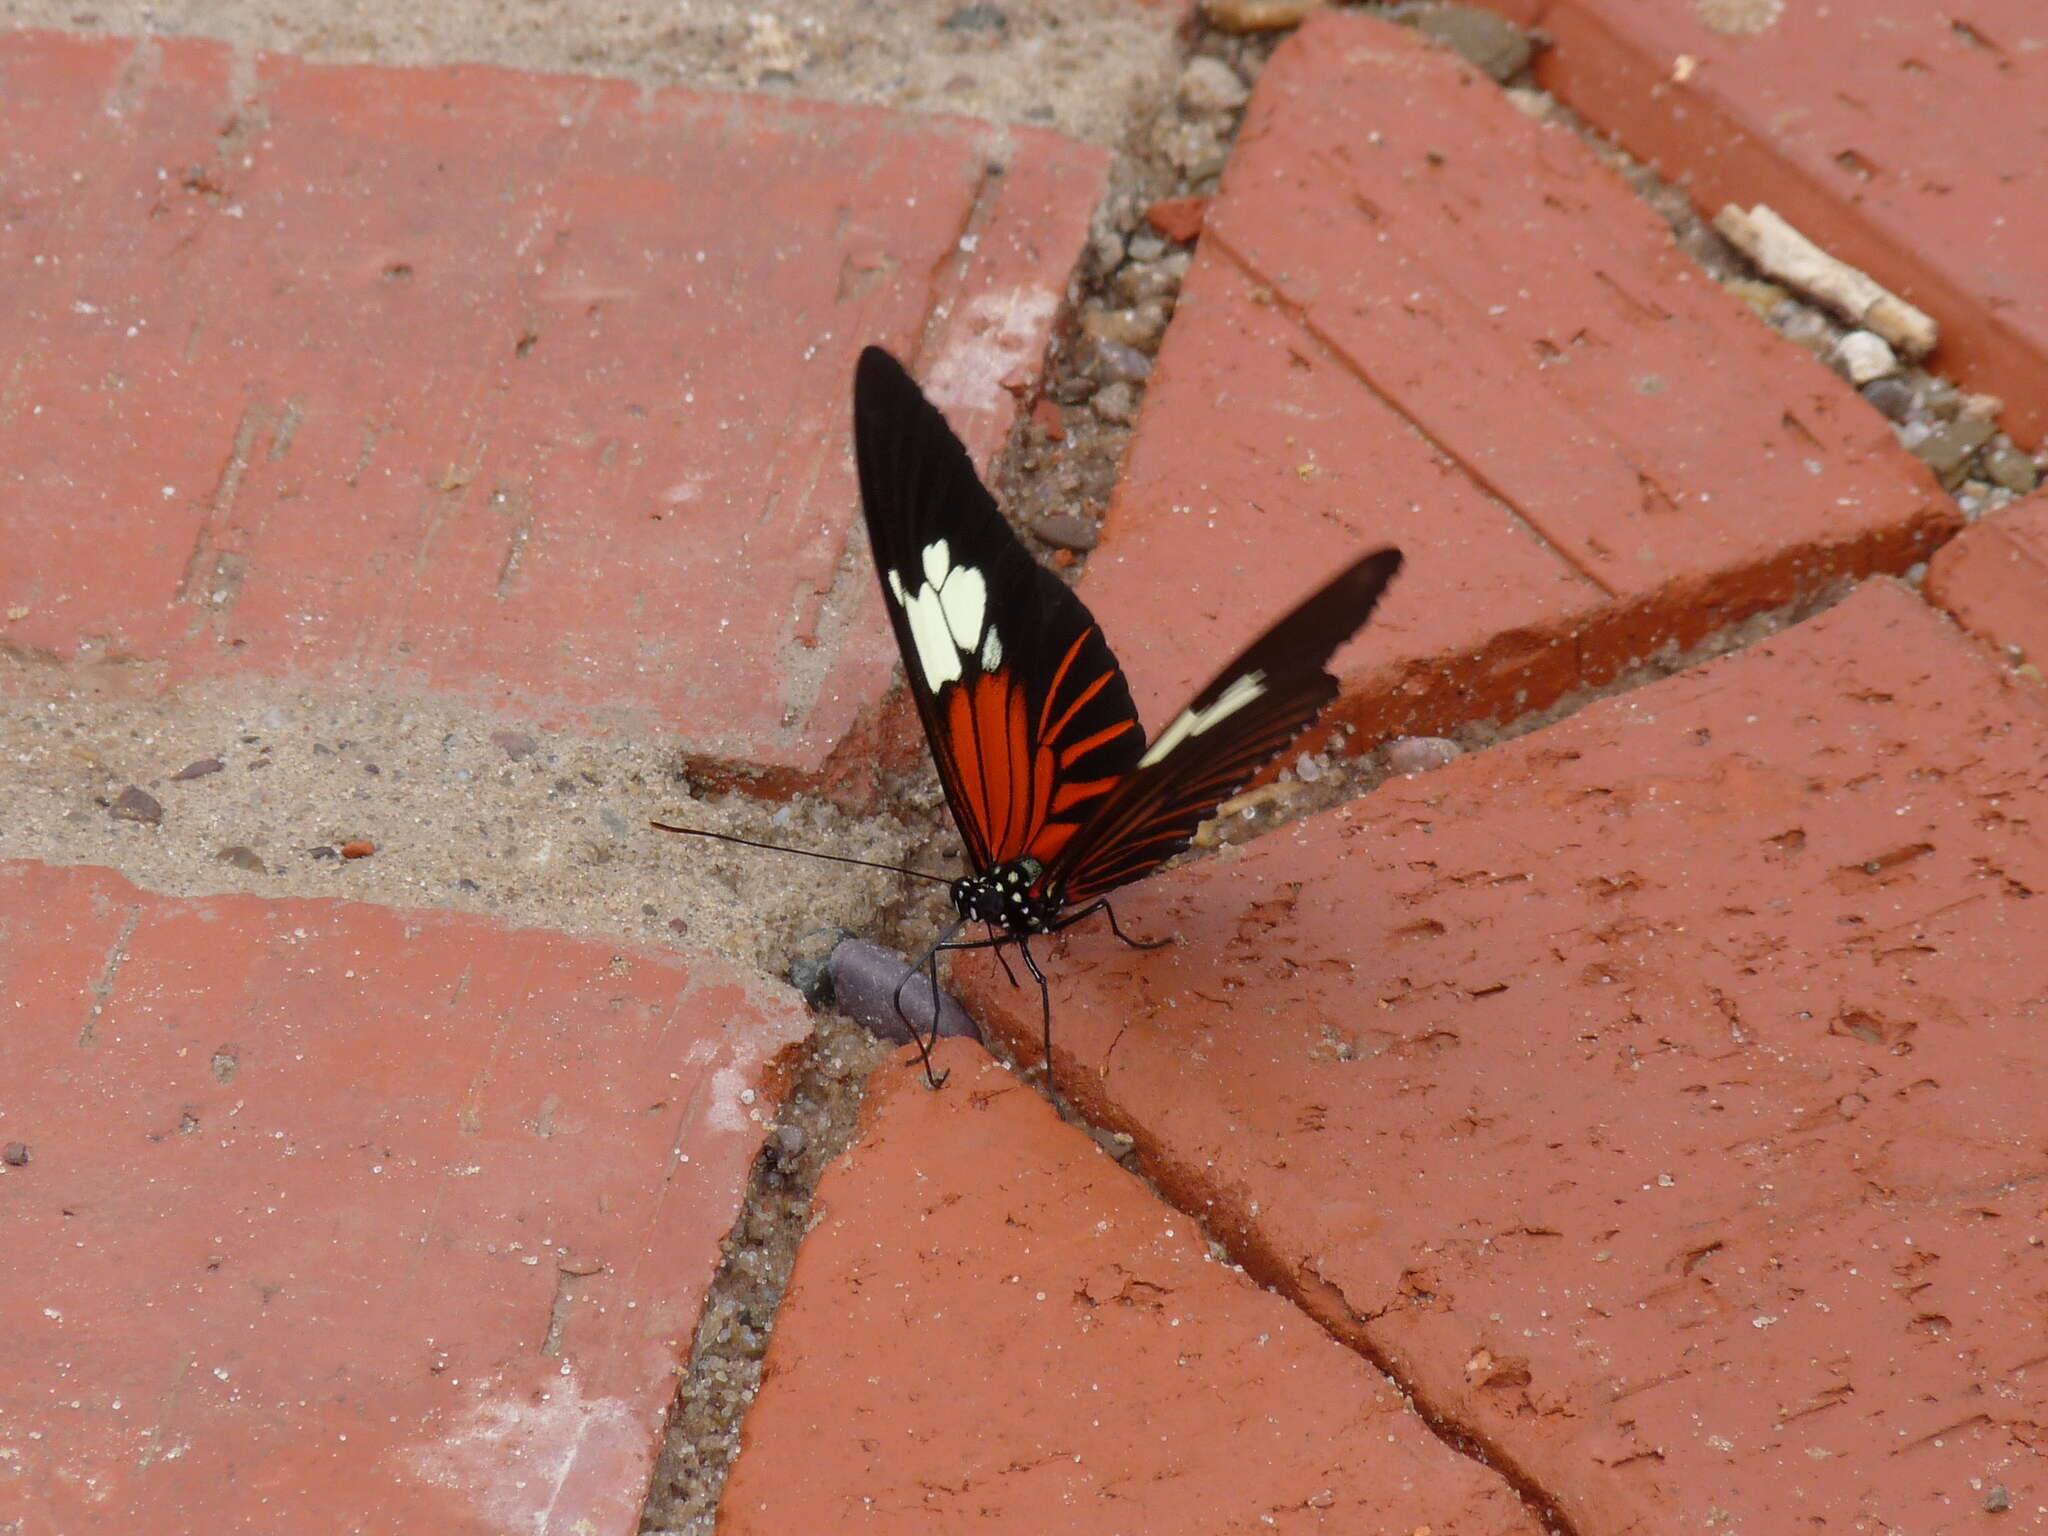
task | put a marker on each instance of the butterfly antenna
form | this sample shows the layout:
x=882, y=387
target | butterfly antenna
x=808, y=853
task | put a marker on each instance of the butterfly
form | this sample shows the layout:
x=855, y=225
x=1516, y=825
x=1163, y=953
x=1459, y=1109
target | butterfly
x=1058, y=796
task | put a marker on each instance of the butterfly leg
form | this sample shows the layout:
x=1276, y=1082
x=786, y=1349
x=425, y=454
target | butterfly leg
x=1103, y=906
x=1045, y=1015
x=928, y=963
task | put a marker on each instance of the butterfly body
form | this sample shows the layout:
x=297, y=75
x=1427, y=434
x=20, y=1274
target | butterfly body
x=1009, y=897
x=1058, y=798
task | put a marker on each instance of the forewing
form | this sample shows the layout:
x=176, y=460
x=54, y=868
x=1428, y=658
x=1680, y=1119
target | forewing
x=1030, y=721
x=1210, y=750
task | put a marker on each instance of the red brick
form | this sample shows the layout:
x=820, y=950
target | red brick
x=1994, y=580
x=1906, y=139
x=1660, y=1092
x=1447, y=326
x=993, y=1327
x=399, y=1214
x=527, y=389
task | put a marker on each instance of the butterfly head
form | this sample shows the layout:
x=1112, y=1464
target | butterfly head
x=1009, y=897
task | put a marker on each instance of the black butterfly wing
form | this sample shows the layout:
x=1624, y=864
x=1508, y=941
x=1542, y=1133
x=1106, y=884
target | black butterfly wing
x=1211, y=749
x=1030, y=720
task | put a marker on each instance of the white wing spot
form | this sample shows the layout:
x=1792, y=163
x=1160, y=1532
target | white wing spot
x=965, y=599
x=946, y=617
x=938, y=560
x=1193, y=722
x=937, y=657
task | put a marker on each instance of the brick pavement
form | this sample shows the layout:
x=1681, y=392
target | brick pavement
x=1653, y=1099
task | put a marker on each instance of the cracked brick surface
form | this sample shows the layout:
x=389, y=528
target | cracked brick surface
x=488, y=383
x=403, y=1217
x=1906, y=139
x=1994, y=580
x=994, y=1327
x=1417, y=316
x=1660, y=1092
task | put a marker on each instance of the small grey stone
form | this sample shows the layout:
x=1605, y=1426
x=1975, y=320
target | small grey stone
x=16, y=1154
x=1065, y=530
x=1997, y=1499
x=1894, y=397
x=242, y=857
x=1119, y=333
x=1809, y=328
x=876, y=988
x=1491, y=44
x=1210, y=85
x=1107, y=247
x=198, y=770
x=138, y=805
x=789, y=1141
x=1947, y=449
x=2010, y=468
x=1418, y=754
x=1941, y=400
x=1118, y=362
x=1147, y=247
x=1116, y=404
x=1142, y=284
x=277, y=717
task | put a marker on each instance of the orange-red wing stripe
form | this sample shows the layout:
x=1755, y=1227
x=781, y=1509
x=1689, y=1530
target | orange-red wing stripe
x=991, y=711
x=1070, y=755
x=1076, y=790
x=1051, y=838
x=1019, y=726
x=960, y=734
x=1052, y=689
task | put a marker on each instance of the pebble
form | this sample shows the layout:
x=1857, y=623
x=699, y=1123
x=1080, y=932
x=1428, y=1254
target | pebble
x=1809, y=328
x=2011, y=469
x=1947, y=449
x=16, y=1154
x=1147, y=247
x=242, y=857
x=1258, y=15
x=1116, y=404
x=198, y=770
x=1892, y=396
x=864, y=981
x=789, y=1142
x=1120, y=336
x=1210, y=85
x=1864, y=356
x=138, y=805
x=1068, y=530
x=1491, y=44
x=1418, y=754
x=1942, y=400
